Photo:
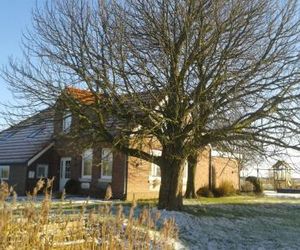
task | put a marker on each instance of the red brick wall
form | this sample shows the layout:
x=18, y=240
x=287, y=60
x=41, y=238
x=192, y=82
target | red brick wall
x=139, y=170
x=138, y=185
x=226, y=169
x=202, y=171
x=97, y=185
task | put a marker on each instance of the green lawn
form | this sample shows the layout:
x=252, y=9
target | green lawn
x=241, y=199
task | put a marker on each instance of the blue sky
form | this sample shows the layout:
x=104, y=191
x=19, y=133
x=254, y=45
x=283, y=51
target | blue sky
x=15, y=17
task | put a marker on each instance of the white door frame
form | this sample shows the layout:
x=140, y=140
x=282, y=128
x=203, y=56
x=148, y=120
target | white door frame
x=62, y=172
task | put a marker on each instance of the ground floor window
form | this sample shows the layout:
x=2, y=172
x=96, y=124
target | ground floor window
x=185, y=170
x=106, y=163
x=155, y=169
x=4, y=172
x=41, y=171
x=87, y=163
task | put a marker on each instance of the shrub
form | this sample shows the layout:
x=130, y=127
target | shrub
x=225, y=189
x=205, y=192
x=247, y=186
x=72, y=186
x=256, y=183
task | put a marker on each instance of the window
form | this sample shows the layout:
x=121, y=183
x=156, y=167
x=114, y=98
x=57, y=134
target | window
x=67, y=168
x=31, y=174
x=42, y=171
x=35, y=132
x=7, y=134
x=67, y=121
x=106, y=163
x=4, y=172
x=87, y=163
x=185, y=170
x=155, y=169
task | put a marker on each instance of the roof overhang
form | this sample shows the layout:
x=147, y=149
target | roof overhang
x=39, y=154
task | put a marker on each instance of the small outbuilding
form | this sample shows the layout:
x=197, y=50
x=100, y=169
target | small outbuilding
x=282, y=175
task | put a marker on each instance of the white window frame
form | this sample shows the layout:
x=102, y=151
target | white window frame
x=86, y=153
x=2, y=167
x=154, y=167
x=67, y=122
x=185, y=170
x=45, y=166
x=107, y=153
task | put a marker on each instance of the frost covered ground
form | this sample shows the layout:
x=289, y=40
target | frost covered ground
x=239, y=222
x=281, y=195
x=261, y=223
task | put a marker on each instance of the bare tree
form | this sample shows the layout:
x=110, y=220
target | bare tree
x=186, y=72
x=192, y=159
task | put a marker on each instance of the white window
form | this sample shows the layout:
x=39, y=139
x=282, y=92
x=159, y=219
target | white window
x=87, y=163
x=41, y=171
x=185, y=170
x=106, y=163
x=67, y=121
x=31, y=174
x=4, y=172
x=155, y=169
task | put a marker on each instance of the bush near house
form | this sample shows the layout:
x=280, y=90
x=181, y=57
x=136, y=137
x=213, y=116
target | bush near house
x=247, y=186
x=205, y=192
x=72, y=187
x=226, y=188
x=258, y=189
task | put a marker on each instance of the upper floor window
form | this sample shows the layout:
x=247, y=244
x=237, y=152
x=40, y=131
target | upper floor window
x=4, y=172
x=155, y=169
x=67, y=121
x=106, y=163
x=41, y=171
x=87, y=163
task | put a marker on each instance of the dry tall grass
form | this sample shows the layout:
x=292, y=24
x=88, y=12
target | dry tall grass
x=40, y=225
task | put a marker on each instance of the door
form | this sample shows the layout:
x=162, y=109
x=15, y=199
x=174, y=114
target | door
x=65, y=171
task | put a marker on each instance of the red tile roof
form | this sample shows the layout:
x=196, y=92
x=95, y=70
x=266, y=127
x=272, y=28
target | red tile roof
x=82, y=95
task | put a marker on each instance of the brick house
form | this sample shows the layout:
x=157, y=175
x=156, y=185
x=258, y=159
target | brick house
x=57, y=155
x=27, y=152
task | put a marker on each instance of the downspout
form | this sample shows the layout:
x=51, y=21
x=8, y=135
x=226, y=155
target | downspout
x=239, y=169
x=210, y=187
x=125, y=177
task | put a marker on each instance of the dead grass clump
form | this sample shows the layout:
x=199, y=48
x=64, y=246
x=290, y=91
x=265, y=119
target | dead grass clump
x=41, y=225
x=226, y=188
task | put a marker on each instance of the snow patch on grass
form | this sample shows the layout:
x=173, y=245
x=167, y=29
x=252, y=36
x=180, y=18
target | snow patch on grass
x=266, y=226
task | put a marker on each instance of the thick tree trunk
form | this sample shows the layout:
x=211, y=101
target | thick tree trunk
x=190, y=186
x=170, y=193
